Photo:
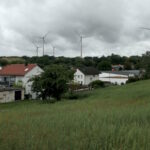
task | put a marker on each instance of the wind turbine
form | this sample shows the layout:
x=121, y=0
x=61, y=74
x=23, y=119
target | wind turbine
x=53, y=47
x=43, y=40
x=37, y=49
x=81, y=42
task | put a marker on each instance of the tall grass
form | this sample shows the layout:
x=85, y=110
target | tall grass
x=115, y=118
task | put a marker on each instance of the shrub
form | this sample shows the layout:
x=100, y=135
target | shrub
x=97, y=84
x=122, y=83
x=75, y=95
x=133, y=79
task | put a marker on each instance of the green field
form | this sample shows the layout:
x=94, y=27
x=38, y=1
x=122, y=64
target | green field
x=114, y=118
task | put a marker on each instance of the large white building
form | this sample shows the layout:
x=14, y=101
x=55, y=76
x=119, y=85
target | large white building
x=20, y=74
x=118, y=77
x=86, y=75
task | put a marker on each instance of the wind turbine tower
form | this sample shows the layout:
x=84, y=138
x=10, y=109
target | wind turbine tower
x=43, y=40
x=81, y=43
x=37, y=49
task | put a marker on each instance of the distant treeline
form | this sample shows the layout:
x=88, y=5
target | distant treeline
x=101, y=63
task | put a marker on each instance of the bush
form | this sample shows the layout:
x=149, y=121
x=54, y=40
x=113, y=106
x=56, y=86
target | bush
x=133, y=79
x=75, y=95
x=97, y=84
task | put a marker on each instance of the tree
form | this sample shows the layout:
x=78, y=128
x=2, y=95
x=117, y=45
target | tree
x=104, y=65
x=52, y=82
x=145, y=64
x=127, y=65
x=3, y=62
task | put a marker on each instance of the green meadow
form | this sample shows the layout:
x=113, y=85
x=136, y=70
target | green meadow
x=113, y=118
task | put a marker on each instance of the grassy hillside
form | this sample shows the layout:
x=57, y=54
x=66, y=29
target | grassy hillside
x=115, y=118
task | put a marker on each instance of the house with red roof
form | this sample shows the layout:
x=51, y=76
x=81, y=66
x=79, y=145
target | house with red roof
x=20, y=74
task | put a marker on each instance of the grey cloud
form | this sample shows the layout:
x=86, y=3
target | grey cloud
x=113, y=26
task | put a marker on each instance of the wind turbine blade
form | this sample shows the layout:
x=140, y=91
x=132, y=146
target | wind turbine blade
x=46, y=34
x=77, y=33
x=34, y=44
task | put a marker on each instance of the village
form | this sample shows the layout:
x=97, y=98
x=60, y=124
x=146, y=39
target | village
x=15, y=79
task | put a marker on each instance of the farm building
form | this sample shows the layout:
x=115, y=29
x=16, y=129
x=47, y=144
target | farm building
x=86, y=75
x=19, y=74
x=118, y=77
x=11, y=95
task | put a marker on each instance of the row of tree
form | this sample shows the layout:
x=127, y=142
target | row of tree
x=102, y=63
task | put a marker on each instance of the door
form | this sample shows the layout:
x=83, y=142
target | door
x=18, y=95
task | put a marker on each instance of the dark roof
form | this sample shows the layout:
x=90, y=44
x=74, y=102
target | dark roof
x=89, y=71
x=124, y=72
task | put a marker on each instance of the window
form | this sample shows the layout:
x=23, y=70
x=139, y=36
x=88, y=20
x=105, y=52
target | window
x=12, y=79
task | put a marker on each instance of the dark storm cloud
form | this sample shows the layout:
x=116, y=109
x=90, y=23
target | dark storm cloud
x=112, y=26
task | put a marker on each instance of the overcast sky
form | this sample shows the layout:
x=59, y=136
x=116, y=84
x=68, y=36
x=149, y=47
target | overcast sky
x=112, y=26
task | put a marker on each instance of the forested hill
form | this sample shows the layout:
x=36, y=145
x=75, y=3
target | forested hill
x=102, y=63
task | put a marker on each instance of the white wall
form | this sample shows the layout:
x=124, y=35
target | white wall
x=28, y=85
x=19, y=78
x=90, y=78
x=80, y=78
x=7, y=96
x=113, y=78
x=25, y=80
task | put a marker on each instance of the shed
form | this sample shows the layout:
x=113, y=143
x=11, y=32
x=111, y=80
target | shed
x=11, y=94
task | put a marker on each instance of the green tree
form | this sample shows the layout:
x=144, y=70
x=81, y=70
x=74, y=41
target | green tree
x=145, y=64
x=52, y=82
x=3, y=62
x=128, y=65
x=104, y=65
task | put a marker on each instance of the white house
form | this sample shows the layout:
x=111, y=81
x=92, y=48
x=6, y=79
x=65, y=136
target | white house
x=86, y=75
x=20, y=74
x=118, y=77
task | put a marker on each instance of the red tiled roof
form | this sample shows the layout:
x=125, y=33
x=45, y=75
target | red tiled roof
x=16, y=69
